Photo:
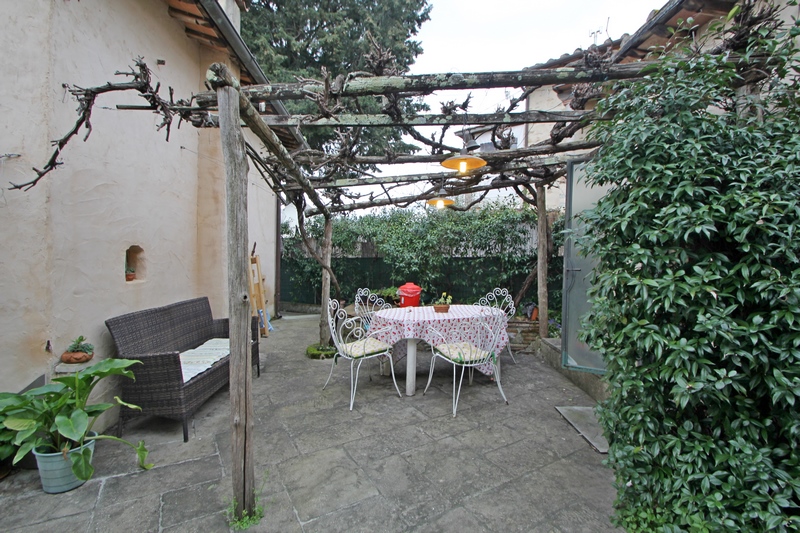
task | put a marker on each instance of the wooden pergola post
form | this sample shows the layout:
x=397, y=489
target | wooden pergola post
x=233, y=151
x=541, y=226
x=327, y=252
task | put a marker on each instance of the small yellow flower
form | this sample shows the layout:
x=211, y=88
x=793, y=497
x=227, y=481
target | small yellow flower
x=444, y=300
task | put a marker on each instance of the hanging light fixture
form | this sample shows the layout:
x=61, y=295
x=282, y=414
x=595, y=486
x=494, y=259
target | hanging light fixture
x=440, y=201
x=464, y=161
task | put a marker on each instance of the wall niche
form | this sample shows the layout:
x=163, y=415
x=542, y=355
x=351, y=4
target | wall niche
x=135, y=264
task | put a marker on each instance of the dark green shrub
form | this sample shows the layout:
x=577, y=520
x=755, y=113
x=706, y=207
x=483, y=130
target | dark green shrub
x=465, y=254
x=696, y=296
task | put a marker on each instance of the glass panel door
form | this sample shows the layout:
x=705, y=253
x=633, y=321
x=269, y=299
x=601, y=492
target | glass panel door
x=577, y=267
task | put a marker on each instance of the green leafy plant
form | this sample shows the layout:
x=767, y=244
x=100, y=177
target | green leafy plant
x=462, y=253
x=696, y=293
x=320, y=351
x=57, y=417
x=246, y=521
x=130, y=270
x=444, y=299
x=389, y=294
x=79, y=345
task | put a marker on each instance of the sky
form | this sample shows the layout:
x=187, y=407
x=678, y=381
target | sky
x=497, y=35
x=508, y=35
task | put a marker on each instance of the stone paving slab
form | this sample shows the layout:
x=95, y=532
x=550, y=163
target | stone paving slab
x=392, y=464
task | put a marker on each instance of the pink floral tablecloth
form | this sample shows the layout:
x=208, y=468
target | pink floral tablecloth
x=401, y=323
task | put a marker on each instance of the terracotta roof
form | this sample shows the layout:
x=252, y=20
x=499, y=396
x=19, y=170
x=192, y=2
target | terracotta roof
x=206, y=22
x=655, y=32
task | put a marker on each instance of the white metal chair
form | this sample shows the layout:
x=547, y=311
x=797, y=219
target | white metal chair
x=368, y=303
x=355, y=343
x=473, y=343
x=501, y=299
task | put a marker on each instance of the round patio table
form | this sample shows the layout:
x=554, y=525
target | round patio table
x=410, y=323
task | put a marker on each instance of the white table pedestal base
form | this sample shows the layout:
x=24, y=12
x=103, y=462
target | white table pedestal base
x=411, y=367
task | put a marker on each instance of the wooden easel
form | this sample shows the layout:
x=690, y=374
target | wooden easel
x=257, y=300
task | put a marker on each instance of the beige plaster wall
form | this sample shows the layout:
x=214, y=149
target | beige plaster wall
x=546, y=99
x=211, y=264
x=25, y=258
x=262, y=212
x=63, y=254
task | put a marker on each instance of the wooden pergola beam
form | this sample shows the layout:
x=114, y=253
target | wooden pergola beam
x=514, y=166
x=427, y=83
x=514, y=181
x=380, y=121
x=347, y=120
x=220, y=74
x=313, y=158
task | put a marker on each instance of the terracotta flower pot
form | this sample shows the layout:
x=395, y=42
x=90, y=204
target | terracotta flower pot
x=130, y=277
x=441, y=308
x=75, y=357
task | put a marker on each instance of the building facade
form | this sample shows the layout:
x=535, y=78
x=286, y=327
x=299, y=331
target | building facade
x=124, y=196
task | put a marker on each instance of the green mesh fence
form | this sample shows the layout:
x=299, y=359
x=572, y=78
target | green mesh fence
x=461, y=277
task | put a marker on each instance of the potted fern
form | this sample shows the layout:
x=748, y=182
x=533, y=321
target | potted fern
x=55, y=423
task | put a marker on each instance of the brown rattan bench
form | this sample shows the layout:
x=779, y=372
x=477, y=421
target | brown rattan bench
x=156, y=337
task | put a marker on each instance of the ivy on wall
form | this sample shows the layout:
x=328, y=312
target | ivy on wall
x=696, y=296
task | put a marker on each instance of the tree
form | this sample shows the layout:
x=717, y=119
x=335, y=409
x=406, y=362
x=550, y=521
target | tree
x=696, y=294
x=302, y=38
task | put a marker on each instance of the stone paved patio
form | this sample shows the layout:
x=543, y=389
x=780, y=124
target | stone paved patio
x=392, y=464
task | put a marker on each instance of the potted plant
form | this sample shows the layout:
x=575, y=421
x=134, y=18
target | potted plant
x=130, y=273
x=442, y=305
x=389, y=294
x=55, y=423
x=79, y=351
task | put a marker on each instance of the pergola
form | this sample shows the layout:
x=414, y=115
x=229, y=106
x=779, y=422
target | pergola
x=525, y=170
x=284, y=173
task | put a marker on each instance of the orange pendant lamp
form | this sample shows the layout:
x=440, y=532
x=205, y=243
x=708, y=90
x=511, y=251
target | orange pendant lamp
x=440, y=201
x=464, y=162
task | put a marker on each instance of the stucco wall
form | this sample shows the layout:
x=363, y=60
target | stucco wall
x=546, y=99
x=63, y=255
x=25, y=284
x=262, y=212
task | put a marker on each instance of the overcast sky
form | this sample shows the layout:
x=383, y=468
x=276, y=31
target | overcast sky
x=502, y=35
x=506, y=35
x=496, y=35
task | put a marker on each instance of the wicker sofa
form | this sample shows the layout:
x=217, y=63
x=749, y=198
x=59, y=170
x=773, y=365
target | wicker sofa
x=156, y=337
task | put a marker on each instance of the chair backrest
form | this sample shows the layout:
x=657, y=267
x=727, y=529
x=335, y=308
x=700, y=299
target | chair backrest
x=368, y=303
x=501, y=299
x=476, y=338
x=344, y=329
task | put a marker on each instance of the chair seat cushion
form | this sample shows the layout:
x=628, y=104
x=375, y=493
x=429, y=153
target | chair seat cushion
x=364, y=347
x=198, y=360
x=462, y=352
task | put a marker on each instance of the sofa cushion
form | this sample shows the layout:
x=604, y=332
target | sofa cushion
x=198, y=360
